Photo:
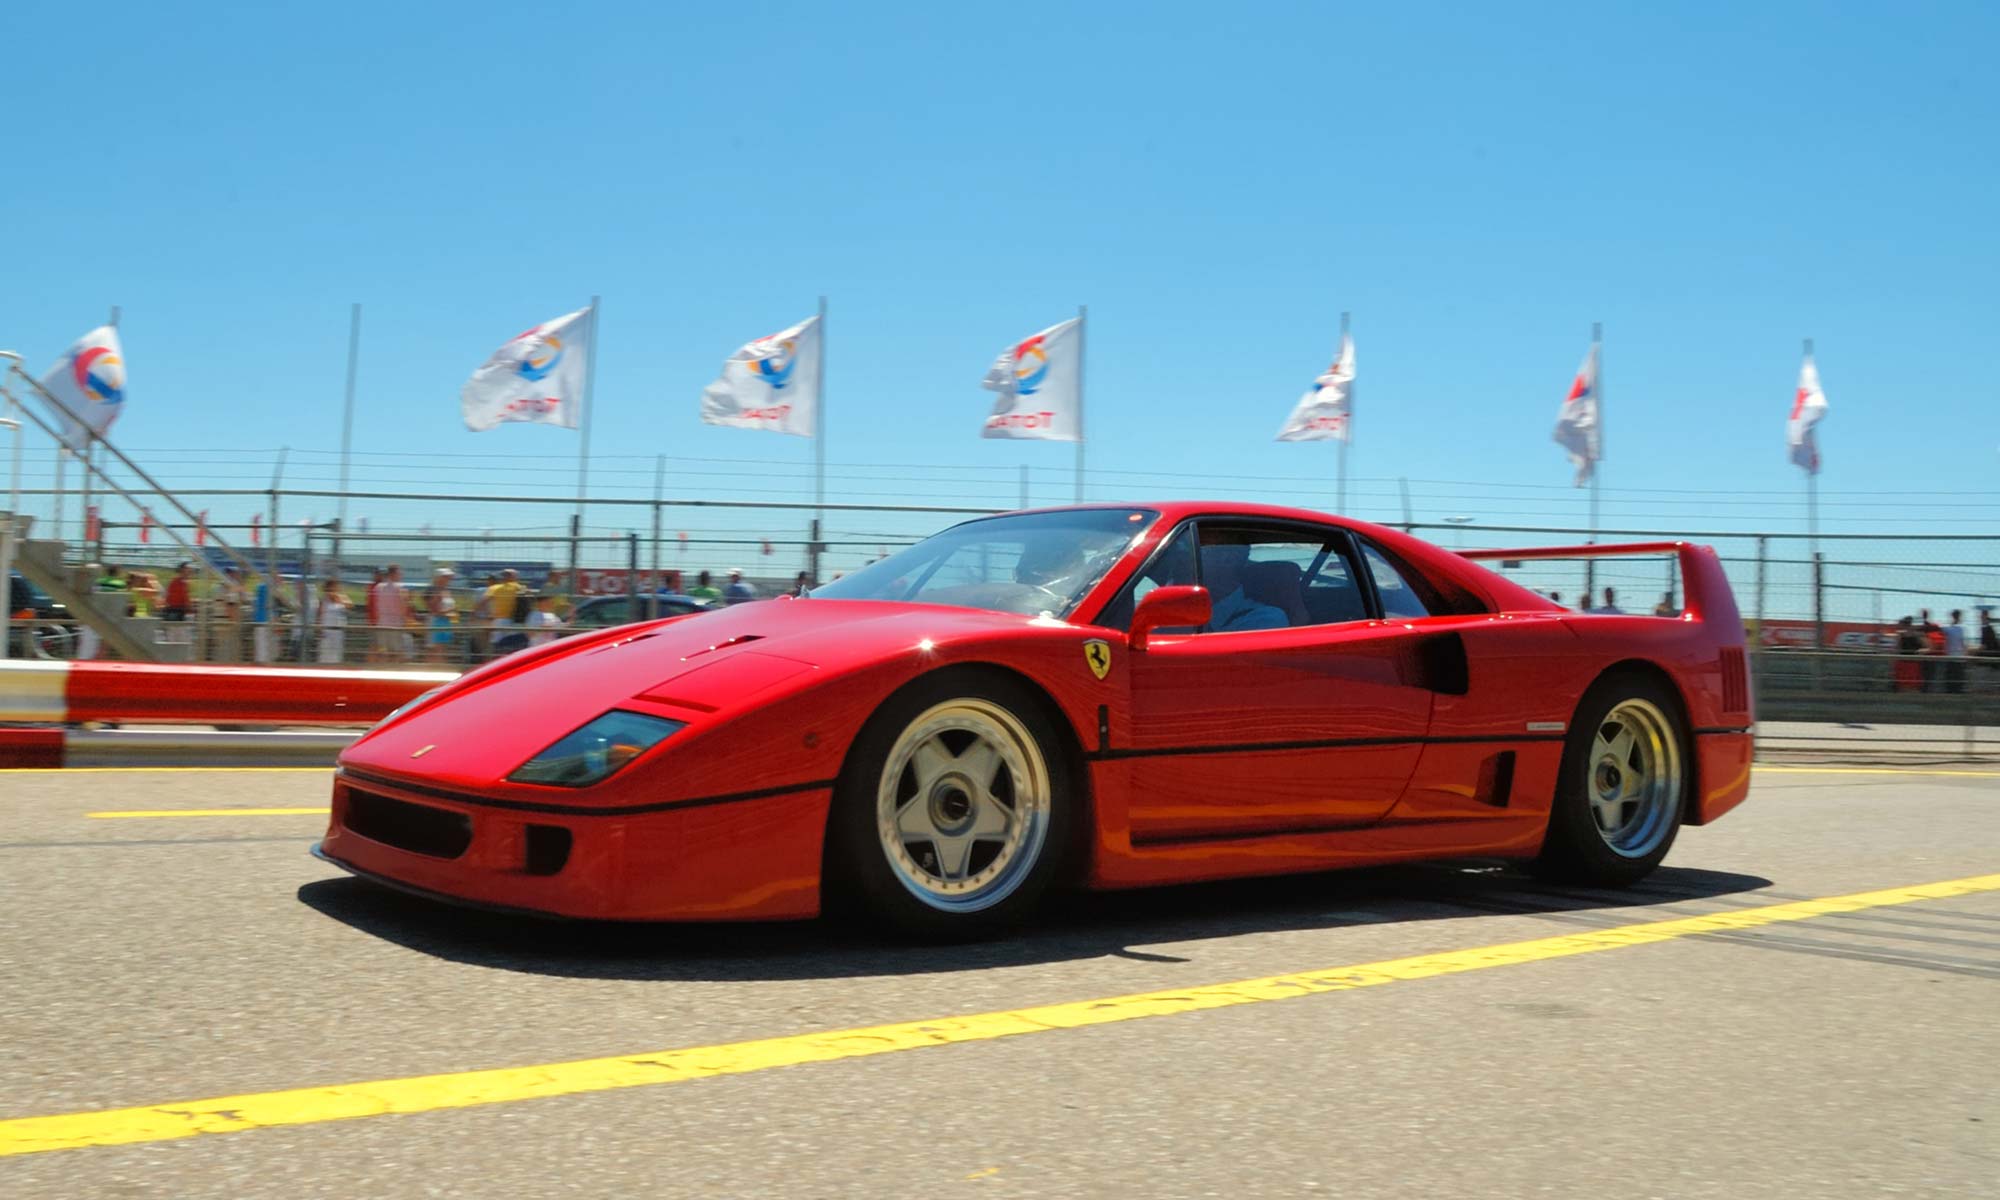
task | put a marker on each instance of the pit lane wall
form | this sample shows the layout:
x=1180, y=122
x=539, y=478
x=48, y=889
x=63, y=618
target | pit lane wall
x=80, y=693
x=303, y=717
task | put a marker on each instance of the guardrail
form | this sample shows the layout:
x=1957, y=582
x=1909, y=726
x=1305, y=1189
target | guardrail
x=42, y=748
x=77, y=693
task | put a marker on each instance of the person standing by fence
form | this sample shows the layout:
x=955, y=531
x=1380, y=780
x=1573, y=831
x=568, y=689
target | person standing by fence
x=333, y=605
x=543, y=622
x=1954, y=653
x=392, y=616
x=262, y=644
x=440, y=609
x=1909, y=674
x=1932, y=648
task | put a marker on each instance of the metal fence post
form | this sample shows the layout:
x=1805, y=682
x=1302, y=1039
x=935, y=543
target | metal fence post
x=632, y=577
x=812, y=552
x=306, y=596
x=1819, y=616
x=659, y=493
x=575, y=551
x=1763, y=560
x=1819, y=600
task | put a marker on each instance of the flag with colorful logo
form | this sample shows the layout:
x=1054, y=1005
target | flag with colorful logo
x=1040, y=381
x=771, y=383
x=1325, y=412
x=1577, y=428
x=1808, y=410
x=89, y=380
x=538, y=376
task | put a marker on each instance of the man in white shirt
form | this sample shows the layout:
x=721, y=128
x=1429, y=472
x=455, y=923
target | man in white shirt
x=543, y=621
x=1954, y=653
x=392, y=615
x=1610, y=605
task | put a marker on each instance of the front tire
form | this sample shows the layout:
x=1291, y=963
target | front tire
x=1622, y=787
x=953, y=814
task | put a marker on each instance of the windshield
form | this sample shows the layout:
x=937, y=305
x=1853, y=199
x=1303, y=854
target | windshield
x=1027, y=563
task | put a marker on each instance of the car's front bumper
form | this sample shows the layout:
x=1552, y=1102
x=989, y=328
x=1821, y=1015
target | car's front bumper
x=755, y=858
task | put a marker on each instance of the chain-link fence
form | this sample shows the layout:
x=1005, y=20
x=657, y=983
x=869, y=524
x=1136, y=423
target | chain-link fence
x=1837, y=591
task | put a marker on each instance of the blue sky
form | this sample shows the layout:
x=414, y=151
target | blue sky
x=1476, y=183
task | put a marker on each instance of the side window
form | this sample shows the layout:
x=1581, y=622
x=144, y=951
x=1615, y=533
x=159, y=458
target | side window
x=1276, y=578
x=1399, y=599
x=1172, y=565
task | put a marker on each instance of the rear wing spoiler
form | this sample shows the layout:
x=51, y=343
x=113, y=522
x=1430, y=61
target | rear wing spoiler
x=1706, y=587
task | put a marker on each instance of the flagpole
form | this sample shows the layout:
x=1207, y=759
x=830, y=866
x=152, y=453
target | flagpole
x=90, y=456
x=819, y=447
x=62, y=456
x=1812, y=491
x=1347, y=428
x=1597, y=464
x=1082, y=313
x=347, y=428
x=583, y=444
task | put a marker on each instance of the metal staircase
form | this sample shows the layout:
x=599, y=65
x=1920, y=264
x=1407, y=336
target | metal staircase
x=40, y=562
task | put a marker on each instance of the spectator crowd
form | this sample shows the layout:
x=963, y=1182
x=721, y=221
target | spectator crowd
x=446, y=621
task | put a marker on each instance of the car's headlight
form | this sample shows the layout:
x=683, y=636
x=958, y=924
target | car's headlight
x=597, y=750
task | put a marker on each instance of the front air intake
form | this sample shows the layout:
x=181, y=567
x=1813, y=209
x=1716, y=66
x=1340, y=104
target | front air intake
x=418, y=828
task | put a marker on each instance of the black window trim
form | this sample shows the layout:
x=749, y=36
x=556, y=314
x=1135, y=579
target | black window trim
x=1364, y=577
x=1436, y=603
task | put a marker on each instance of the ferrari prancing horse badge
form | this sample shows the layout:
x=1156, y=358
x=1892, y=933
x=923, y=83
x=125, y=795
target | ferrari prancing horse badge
x=1098, y=654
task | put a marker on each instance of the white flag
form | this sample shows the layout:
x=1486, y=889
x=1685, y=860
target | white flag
x=90, y=379
x=538, y=376
x=1577, y=429
x=1808, y=409
x=1324, y=413
x=771, y=383
x=1040, y=381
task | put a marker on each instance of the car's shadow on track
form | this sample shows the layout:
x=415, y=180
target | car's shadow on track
x=1081, y=926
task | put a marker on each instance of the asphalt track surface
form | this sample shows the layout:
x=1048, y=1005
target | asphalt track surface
x=194, y=1007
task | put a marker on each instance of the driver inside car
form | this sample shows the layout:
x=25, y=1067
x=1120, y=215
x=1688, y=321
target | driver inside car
x=1054, y=564
x=1222, y=570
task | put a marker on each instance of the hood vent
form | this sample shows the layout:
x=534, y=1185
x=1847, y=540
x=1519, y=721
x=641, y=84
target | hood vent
x=637, y=637
x=735, y=641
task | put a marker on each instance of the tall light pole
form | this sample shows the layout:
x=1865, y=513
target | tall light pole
x=1458, y=525
x=8, y=534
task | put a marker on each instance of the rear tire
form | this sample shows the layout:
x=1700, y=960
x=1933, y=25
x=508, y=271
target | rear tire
x=956, y=808
x=1626, y=769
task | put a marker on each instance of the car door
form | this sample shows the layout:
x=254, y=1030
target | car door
x=1297, y=710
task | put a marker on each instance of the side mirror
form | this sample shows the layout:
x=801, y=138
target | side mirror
x=1168, y=607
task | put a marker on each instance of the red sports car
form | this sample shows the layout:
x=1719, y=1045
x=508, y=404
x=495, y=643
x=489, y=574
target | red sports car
x=1107, y=696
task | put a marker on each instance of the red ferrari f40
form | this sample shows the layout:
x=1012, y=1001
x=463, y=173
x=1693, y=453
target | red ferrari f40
x=1105, y=696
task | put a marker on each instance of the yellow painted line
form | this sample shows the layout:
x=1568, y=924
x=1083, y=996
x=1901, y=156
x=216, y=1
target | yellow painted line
x=469, y=1089
x=212, y=812
x=1876, y=771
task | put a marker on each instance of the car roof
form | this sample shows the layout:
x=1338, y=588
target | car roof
x=1498, y=593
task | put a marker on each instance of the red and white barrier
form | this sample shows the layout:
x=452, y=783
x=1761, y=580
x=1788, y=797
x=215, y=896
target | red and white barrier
x=76, y=693
x=37, y=748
